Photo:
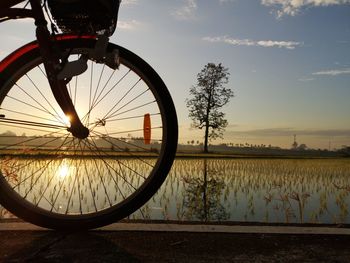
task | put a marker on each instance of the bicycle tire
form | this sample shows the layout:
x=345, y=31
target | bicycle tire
x=113, y=164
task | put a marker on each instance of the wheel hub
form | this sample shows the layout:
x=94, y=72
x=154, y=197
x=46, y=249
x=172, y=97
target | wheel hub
x=79, y=132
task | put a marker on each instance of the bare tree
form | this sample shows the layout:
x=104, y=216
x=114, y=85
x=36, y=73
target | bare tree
x=209, y=95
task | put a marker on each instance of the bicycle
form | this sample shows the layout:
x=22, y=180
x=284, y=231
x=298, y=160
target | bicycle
x=98, y=125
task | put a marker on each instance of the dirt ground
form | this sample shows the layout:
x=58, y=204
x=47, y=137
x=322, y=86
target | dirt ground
x=136, y=246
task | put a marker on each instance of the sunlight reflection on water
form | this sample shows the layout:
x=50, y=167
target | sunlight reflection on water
x=249, y=190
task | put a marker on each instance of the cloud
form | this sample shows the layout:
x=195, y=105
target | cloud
x=332, y=72
x=248, y=42
x=128, y=25
x=189, y=9
x=306, y=79
x=226, y=1
x=293, y=7
x=186, y=11
x=275, y=132
x=129, y=2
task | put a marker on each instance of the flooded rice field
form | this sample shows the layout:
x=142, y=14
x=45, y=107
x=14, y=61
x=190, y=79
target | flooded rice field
x=248, y=190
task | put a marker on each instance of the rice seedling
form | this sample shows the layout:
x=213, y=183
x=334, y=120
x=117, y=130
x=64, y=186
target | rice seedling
x=254, y=190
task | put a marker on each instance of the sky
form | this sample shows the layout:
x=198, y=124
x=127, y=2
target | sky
x=289, y=62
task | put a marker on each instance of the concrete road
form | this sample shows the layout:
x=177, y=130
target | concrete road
x=129, y=242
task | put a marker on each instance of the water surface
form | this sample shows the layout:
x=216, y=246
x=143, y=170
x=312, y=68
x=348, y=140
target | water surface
x=251, y=190
x=254, y=190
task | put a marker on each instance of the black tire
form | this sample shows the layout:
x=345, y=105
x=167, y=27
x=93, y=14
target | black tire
x=24, y=190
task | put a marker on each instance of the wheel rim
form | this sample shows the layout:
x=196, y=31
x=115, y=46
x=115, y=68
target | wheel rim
x=62, y=175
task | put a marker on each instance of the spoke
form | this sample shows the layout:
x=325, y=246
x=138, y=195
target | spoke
x=42, y=71
x=77, y=174
x=25, y=165
x=98, y=101
x=30, y=115
x=71, y=161
x=34, y=107
x=31, y=123
x=90, y=184
x=104, y=87
x=90, y=92
x=57, y=195
x=47, y=187
x=132, y=109
x=35, y=100
x=48, y=184
x=25, y=179
x=109, y=168
x=119, y=163
x=59, y=191
x=32, y=129
x=36, y=87
x=128, y=131
x=130, y=154
x=103, y=184
x=115, y=105
x=101, y=166
x=36, y=138
x=99, y=82
x=43, y=168
x=71, y=194
x=76, y=177
x=133, y=117
x=142, y=139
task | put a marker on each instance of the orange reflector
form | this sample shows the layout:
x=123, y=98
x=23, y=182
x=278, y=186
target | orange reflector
x=147, y=128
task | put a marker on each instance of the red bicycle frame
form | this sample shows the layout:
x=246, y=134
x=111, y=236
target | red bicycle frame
x=51, y=60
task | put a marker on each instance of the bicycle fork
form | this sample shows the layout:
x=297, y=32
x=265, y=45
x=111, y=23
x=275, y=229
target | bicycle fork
x=52, y=68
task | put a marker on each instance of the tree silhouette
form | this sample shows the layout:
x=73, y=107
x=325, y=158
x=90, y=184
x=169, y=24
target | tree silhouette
x=203, y=196
x=209, y=95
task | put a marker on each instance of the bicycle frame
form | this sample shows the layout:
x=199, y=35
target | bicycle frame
x=51, y=60
x=80, y=177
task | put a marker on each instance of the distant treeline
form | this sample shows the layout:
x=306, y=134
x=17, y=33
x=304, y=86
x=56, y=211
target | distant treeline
x=10, y=141
x=266, y=151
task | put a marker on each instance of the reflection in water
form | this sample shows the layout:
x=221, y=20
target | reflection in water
x=202, y=196
x=254, y=190
x=64, y=170
x=74, y=185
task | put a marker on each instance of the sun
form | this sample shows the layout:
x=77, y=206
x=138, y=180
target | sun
x=67, y=120
x=63, y=171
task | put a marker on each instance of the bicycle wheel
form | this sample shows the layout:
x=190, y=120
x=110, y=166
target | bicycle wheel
x=52, y=179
